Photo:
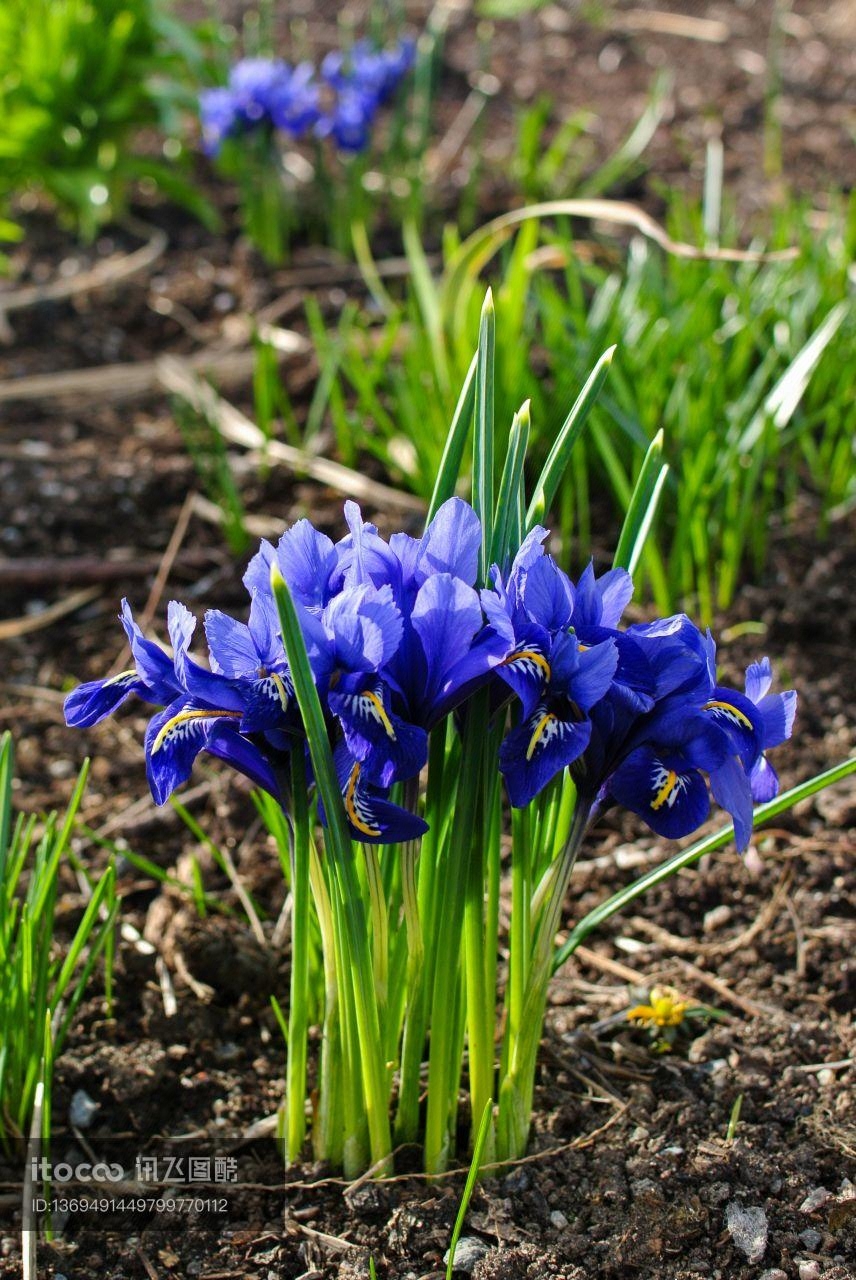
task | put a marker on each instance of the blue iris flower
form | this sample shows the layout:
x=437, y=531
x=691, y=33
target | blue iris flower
x=662, y=778
x=219, y=118
x=207, y=715
x=446, y=650
x=349, y=121
x=152, y=678
x=372, y=817
x=364, y=78
x=557, y=676
x=204, y=710
x=293, y=102
x=255, y=83
x=374, y=73
x=398, y=637
x=654, y=764
x=261, y=93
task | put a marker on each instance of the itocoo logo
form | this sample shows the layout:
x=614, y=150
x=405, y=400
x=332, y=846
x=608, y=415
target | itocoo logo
x=46, y=1171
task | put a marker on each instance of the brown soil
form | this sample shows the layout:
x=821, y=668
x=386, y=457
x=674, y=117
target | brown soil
x=631, y=1173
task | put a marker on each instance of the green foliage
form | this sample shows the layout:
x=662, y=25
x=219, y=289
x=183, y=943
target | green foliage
x=742, y=365
x=77, y=79
x=40, y=986
x=555, y=162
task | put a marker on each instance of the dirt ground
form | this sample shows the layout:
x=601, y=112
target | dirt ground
x=632, y=1171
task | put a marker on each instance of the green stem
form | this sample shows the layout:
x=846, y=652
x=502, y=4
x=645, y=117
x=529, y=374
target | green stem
x=517, y=1087
x=327, y=1131
x=419, y=907
x=380, y=927
x=298, y=1014
x=443, y=1078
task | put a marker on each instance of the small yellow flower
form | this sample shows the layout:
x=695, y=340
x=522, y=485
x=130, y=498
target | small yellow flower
x=666, y=1009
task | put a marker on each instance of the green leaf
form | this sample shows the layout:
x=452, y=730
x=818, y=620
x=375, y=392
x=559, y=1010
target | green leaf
x=642, y=507
x=453, y=451
x=428, y=297
x=508, y=533
x=469, y=1186
x=484, y=433
x=560, y=454
x=313, y=717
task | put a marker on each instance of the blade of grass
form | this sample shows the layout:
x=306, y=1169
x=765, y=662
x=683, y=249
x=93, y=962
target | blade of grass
x=560, y=454
x=642, y=507
x=483, y=433
x=469, y=1186
x=453, y=452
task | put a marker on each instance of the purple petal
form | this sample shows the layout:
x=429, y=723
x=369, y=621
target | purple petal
x=539, y=748
x=777, y=717
x=731, y=790
x=231, y=649
x=670, y=796
x=451, y=542
x=759, y=677
x=93, y=701
x=548, y=595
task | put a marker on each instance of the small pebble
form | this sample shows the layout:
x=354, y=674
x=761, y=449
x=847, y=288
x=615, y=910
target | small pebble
x=716, y=918
x=815, y=1200
x=775, y=1273
x=82, y=1109
x=811, y=1238
x=748, y=1229
x=468, y=1251
x=825, y=1078
x=559, y=1220
x=809, y=1270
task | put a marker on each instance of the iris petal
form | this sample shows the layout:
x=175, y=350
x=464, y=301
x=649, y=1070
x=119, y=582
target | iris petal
x=93, y=701
x=548, y=595
x=174, y=738
x=740, y=719
x=389, y=748
x=670, y=795
x=730, y=786
x=764, y=781
x=539, y=748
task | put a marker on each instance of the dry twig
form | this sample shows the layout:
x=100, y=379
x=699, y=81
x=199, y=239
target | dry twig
x=237, y=428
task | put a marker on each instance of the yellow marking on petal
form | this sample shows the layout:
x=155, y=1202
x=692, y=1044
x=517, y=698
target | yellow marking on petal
x=533, y=656
x=665, y=791
x=381, y=713
x=537, y=735
x=727, y=706
x=184, y=717
x=123, y=675
x=351, y=806
x=583, y=648
x=281, y=689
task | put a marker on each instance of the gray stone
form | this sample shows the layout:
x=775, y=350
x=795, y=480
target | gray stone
x=81, y=1111
x=748, y=1229
x=815, y=1200
x=468, y=1251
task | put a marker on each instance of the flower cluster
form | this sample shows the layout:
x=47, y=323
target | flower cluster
x=268, y=93
x=398, y=636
